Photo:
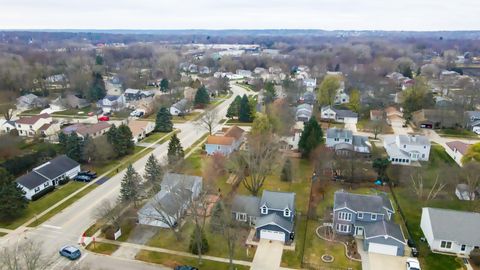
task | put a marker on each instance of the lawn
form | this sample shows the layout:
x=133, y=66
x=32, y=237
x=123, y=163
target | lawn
x=460, y=133
x=42, y=204
x=174, y=260
x=189, y=117
x=82, y=111
x=237, y=122
x=154, y=136
x=102, y=248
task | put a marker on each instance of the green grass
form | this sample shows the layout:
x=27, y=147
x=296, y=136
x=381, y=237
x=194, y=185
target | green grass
x=175, y=260
x=102, y=248
x=93, y=229
x=460, y=133
x=42, y=204
x=32, y=111
x=127, y=228
x=237, y=122
x=189, y=117
x=153, y=137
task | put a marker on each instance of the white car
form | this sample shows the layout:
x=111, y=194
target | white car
x=413, y=264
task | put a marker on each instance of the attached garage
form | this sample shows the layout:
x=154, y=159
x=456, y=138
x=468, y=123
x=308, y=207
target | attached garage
x=272, y=235
x=383, y=249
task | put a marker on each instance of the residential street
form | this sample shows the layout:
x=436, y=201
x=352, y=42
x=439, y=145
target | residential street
x=67, y=226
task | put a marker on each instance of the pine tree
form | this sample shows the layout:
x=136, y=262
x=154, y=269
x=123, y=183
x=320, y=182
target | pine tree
x=286, y=175
x=97, y=89
x=270, y=93
x=130, y=186
x=175, y=150
x=125, y=145
x=198, y=242
x=164, y=85
x=244, y=113
x=12, y=200
x=233, y=109
x=311, y=138
x=163, y=122
x=153, y=173
x=73, y=148
x=217, y=220
x=201, y=97
x=62, y=141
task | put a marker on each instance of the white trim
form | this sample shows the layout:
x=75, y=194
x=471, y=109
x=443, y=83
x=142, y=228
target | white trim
x=344, y=216
x=272, y=223
x=339, y=227
x=360, y=215
x=372, y=215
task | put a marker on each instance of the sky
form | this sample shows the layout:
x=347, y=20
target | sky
x=418, y=15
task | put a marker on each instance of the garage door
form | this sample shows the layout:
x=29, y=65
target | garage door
x=382, y=249
x=272, y=235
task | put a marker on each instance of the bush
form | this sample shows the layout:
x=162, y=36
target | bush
x=193, y=247
x=475, y=256
x=43, y=192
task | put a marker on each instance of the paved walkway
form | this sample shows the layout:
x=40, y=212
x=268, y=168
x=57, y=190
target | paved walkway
x=5, y=230
x=363, y=254
x=268, y=255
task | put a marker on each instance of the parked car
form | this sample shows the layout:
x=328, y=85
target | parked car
x=88, y=173
x=104, y=118
x=185, y=267
x=82, y=178
x=70, y=252
x=413, y=264
x=137, y=113
x=415, y=252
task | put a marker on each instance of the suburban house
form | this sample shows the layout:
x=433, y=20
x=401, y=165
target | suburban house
x=310, y=84
x=137, y=94
x=225, y=142
x=290, y=143
x=177, y=191
x=244, y=73
x=140, y=129
x=456, y=150
x=435, y=118
x=394, y=117
x=90, y=130
x=405, y=149
x=308, y=98
x=112, y=103
x=8, y=126
x=341, y=116
x=376, y=115
x=30, y=101
x=30, y=126
x=49, y=130
x=369, y=217
x=45, y=177
x=344, y=142
x=304, y=112
x=451, y=231
x=472, y=120
x=75, y=102
x=180, y=108
x=273, y=215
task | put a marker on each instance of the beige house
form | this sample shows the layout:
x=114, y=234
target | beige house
x=140, y=129
x=30, y=126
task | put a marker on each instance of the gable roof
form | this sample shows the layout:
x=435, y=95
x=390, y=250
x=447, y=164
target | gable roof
x=382, y=228
x=362, y=202
x=459, y=146
x=85, y=130
x=459, y=226
x=32, y=119
x=137, y=126
x=413, y=139
x=246, y=204
x=278, y=200
x=181, y=104
x=276, y=220
x=56, y=166
x=339, y=133
x=172, y=180
x=234, y=132
x=220, y=140
x=31, y=180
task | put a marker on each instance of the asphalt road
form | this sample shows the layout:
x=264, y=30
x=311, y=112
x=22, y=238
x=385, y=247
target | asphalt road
x=67, y=226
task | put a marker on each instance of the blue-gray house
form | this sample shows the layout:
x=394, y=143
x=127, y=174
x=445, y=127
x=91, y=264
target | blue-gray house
x=225, y=142
x=368, y=217
x=273, y=214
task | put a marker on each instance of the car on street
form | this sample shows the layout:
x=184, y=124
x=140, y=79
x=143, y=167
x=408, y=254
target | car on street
x=413, y=264
x=88, y=173
x=104, y=118
x=82, y=178
x=185, y=267
x=70, y=252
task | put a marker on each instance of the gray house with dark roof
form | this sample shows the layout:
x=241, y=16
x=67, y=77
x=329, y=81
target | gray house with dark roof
x=273, y=214
x=344, y=142
x=369, y=217
x=48, y=175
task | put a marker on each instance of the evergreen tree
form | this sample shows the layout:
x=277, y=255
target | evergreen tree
x=97, y=88
x=62, y=141
x=244, y=113
x=163, y=122
x=312, y=136
x=287, y=171
x=164, y=85
x=99, y=60
x=270, y=93
x=153, y=173
x=380, y=165
x=198, y=242
x=12, y=200
x=125, y=145
x=233, y=109
x=201, y=97
x=130, y=186
x=73, y=148
x=175, y=150
x=217, y=220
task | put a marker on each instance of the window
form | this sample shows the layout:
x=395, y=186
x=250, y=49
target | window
x=37, y=189
x=337, y=139
x=360, y=215
x=463, y=247
x=423, y=155
x=347, y=140
x=374, y=217
x=242, y=216
x=404, y=146
x=264, y=210
x=218, y=147
x=345, y=216
x=46, y=184
x=286, y=212
x=446, y=244
x=344, y=228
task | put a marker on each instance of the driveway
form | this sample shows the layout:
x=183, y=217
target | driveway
x=268, y=255
x=381, y=262
x=352, y=127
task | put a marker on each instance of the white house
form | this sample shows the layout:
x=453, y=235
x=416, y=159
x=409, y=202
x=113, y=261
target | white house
x=45, y=177
x=405, y=149
x=244, y=73
x=170, y=204
x=140, y=129
x=341, y=116
x=8, y=126
x=456, y=150
x=450, y=231
x=343, y=140
x=112, y=103
x=29, y=126
x=180, y=108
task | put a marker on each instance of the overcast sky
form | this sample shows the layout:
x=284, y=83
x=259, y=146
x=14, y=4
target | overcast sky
x=238, y=14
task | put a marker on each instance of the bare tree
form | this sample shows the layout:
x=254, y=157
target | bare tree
x=28, y=256
x=208, y=120
x=471, y=175
x=376, y=127
x=110, y=213
x=421, y=190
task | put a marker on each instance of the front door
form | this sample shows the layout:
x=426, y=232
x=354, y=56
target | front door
x=359, y=231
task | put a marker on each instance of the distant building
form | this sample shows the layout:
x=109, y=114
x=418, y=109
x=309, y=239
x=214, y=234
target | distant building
x=405, y=149
x=456, y=150
x=304, y=112
x=344, y=142
x=90, y=130
x=341, y=116
x=112, y=103
x=180, y=108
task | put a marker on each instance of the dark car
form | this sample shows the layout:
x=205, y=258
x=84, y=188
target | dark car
x=185, y=267
x=89, y=174
x=70, y=252
x=82, y=178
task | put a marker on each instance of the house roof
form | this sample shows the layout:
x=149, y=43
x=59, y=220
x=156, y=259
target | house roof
x=392, y=110
x=220, y=140
x=181, y=104
x=459, y=226
x=382, y=228
x=235, y=132
x=360, y=141
x=339, y=133
x=32, y=119
x=278, y=200
x=165, y=201
x=31, y=180
x=362, y=202
x=246, y=204
x=473, y=114
x=460, y=146
x=56, y=166
x=171, y=180
x=274, y=219
x=85, y=130
x=112, y=97
x=376, y=113
x=345, y=113
x=44, y=127
x=137, y=127
x=413, y=139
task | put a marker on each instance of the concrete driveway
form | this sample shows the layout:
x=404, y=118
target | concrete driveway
x=268, y=255
x=381, y=262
